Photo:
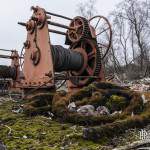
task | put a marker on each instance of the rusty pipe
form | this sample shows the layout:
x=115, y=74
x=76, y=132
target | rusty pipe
x=59, y=25
x=74, y=77
x=5, y=56
x=57, y=32
x=9, y=57
x=22, y=24
x=6, y=50
x=64, y=17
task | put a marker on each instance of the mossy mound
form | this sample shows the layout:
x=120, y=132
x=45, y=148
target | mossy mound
x=117, y=127
x=21, y=132
x=106, y=94
x=117, y=103
x=38, y=104
x=98, y=94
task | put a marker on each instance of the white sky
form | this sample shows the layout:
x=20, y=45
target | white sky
x=12, y=11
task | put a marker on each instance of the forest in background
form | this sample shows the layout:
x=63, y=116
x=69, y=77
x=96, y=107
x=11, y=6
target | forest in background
x=129, y=54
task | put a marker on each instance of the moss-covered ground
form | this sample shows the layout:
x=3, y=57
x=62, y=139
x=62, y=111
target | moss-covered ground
x=19, y=132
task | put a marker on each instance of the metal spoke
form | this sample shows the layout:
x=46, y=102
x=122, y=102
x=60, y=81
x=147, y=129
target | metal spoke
x=103, y=45
x=100, y=30
x=97, y=23
x=103, y=31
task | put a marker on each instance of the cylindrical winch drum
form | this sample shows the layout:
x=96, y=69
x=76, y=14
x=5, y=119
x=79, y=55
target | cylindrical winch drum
x=66, y=59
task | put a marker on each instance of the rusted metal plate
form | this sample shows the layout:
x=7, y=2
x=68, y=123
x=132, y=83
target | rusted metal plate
x=35, y=73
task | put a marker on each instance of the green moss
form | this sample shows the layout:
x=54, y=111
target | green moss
x=117, y=103
x=97, y=94
x=107, y=85
x=91, y=120
x=38, y=104
x=117, y=127
x=45, y=134
x=41, y=132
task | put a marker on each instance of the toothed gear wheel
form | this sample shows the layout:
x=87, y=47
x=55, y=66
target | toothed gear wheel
x=80, y=30
x=94, y=64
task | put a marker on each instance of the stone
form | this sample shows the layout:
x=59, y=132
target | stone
x=72, y=107
x=102, y=110
x=2, y=146
x=86, y=110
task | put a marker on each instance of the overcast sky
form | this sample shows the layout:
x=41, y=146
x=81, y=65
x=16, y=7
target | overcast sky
x=11, y=11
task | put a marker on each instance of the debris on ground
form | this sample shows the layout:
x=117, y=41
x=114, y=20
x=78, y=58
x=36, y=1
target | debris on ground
x=72, y=107
x=138, y=145
x=4, y=99
x=140, y=87
x=86, y=110
x=116, y=112
x=50, y=115
x=17, y=109
x=2, y=146
x=102, y=110
x=142, y=81
x=116, y=80
x=24, y=137
x=144, y=99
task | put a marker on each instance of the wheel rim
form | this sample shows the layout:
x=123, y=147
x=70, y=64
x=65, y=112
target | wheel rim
x=103, y=33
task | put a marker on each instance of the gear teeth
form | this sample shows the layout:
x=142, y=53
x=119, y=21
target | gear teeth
x=87, y=32
x=87, y=36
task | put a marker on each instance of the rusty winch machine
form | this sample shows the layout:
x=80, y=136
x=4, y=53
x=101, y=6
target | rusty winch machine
x=41, y=64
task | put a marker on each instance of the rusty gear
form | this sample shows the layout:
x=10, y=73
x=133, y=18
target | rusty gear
x=80, y=29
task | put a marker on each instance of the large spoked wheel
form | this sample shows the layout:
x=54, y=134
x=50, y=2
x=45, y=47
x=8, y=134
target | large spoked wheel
x=93, y=65
x=103, y=33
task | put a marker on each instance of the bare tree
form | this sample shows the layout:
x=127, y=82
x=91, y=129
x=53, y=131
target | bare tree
x=130, y=50
x=87, y=9
x=131, y=25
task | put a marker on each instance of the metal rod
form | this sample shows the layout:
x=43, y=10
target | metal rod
x=5, y=56
x=22, y=24
x=9, y=57
x=74, y=77
x=57, y=32
x=6, y=50
x=59, y=25
x=64, y=17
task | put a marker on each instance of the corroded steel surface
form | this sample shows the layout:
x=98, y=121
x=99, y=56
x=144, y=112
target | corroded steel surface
x=38, y=58
x=41, y=60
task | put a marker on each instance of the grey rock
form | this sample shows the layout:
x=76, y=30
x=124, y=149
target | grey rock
x=102, y=110
x=2, y=146
x=72, y=107
x=86, y=110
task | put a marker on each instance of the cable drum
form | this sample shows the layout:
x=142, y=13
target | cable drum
x=66, y=59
